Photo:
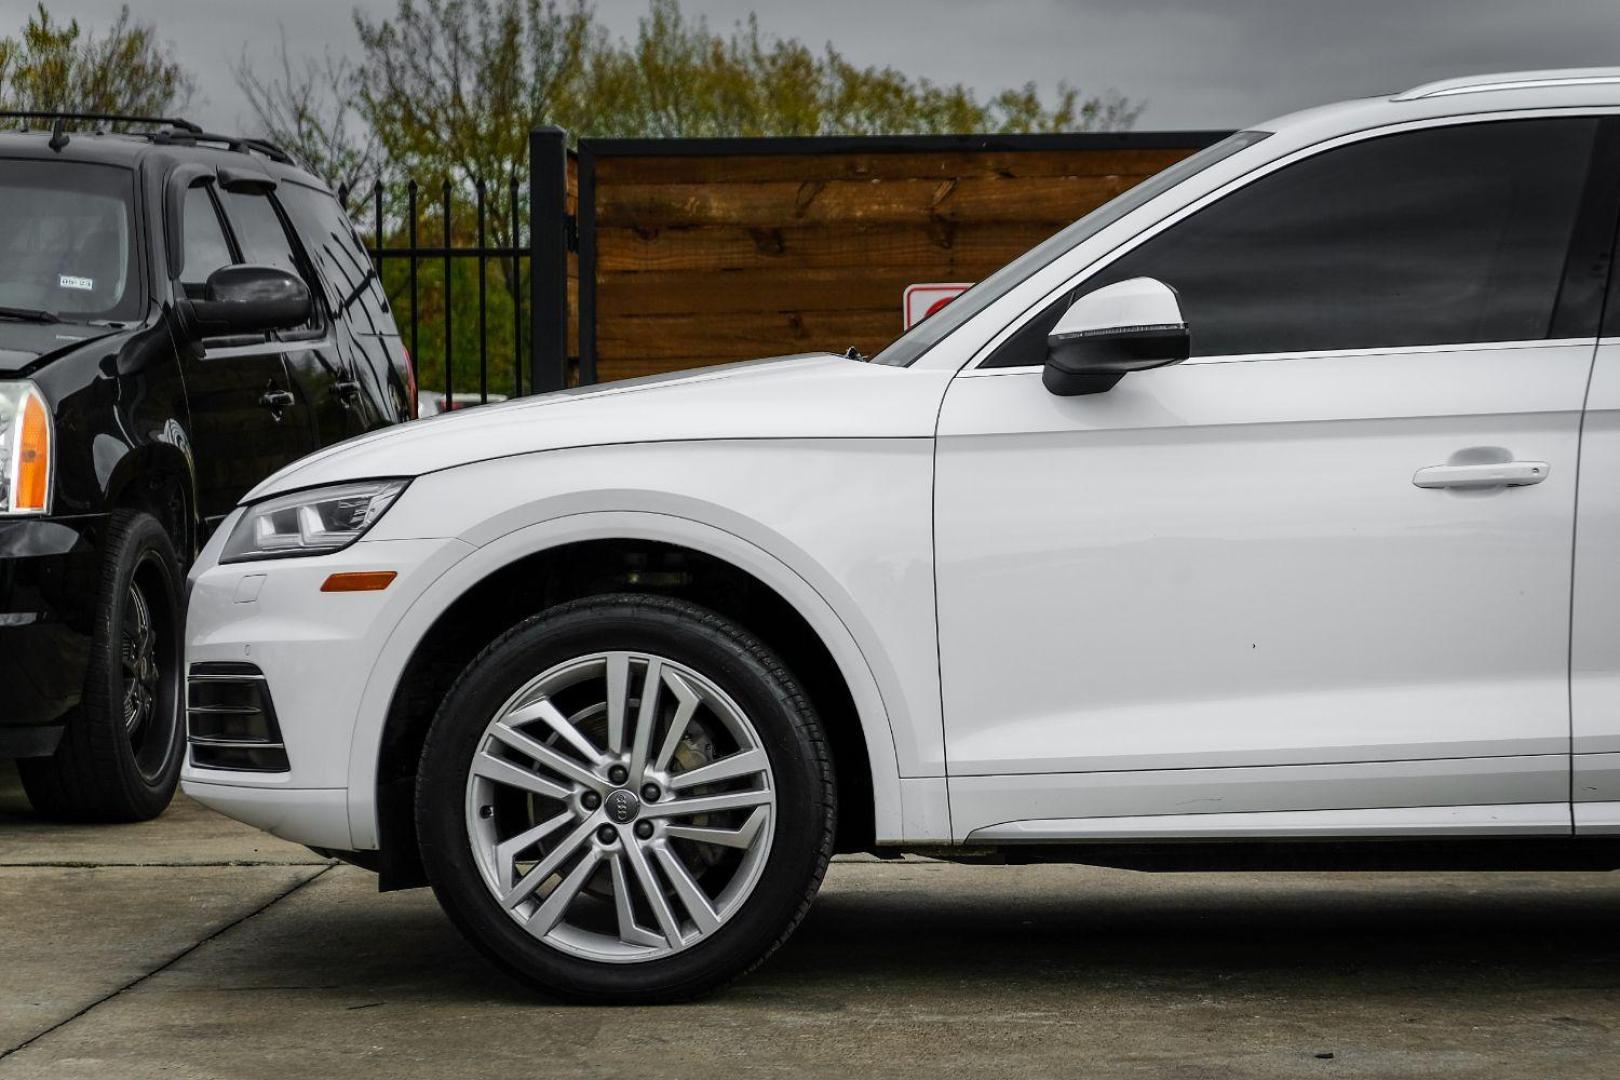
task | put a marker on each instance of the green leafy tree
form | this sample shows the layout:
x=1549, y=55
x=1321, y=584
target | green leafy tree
x=679, y=78
x=453, y=86
x=56, y=67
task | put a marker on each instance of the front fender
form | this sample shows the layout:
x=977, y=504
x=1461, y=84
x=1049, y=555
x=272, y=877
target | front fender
x=842, y=534
x=390, y=666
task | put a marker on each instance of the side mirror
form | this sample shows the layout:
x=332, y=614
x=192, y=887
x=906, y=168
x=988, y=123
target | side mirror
x=248, y=299
x=1105, y=335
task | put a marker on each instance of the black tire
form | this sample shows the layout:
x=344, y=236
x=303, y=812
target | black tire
x=104, y=769
x=788, y=730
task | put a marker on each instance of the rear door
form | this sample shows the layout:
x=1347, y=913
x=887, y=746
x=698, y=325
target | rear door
x=363, y=326
x=245, y=419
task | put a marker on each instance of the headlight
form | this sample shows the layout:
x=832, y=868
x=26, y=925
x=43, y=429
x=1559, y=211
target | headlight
x=25, y=449
x=311, y=522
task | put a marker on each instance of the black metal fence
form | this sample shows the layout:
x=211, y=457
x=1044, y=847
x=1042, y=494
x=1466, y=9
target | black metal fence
x=531, y=266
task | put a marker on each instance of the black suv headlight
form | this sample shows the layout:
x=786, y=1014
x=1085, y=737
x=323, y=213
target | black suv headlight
x=313, y=522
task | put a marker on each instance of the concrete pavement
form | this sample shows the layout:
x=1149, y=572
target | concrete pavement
x=194, y=948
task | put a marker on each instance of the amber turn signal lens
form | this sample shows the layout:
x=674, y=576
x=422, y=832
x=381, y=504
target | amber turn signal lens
x=367, y=581
x=33, y=456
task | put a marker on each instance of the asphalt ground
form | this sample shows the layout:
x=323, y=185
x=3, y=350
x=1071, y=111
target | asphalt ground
x=195, y=947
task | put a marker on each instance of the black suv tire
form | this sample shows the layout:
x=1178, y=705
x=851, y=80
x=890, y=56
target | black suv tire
x=744, y=669
x=119, y=758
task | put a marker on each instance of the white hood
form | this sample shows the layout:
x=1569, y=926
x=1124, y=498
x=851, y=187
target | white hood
x=813, y=396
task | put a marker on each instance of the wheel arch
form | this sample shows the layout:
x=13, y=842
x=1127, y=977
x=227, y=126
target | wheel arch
x=588, y=554
x=158, y=479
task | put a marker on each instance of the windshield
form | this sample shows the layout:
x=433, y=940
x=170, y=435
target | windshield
x=934, y=329
x=67, y=242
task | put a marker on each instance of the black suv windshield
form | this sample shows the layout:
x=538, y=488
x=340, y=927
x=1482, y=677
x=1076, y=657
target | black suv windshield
x=932, y=330
x=67, y=242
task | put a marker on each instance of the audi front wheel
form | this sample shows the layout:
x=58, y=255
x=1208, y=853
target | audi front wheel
x=626, y=798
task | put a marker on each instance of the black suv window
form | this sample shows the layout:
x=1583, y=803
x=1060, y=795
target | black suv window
x=263, y=238
x=259, y=231
x=329, y=237
x=205, y=246
x=1432, y=237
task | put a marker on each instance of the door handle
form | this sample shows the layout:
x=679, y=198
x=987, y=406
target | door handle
x=346, y=390
x=1489, y=475
x=276, y=400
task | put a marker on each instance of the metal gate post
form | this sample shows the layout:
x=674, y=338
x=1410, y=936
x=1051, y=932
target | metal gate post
x=548, y=259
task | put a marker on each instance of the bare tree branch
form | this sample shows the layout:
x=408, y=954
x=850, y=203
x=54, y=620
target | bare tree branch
x=308, y=108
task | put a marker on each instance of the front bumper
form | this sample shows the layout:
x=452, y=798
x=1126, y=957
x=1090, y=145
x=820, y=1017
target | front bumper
x=49, y=587
x=316, y=652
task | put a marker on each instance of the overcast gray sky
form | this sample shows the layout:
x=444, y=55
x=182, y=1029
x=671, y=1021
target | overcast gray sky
x=1198, y=63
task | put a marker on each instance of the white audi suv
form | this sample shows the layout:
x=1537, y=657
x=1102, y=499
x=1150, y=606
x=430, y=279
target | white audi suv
x=1235, y=525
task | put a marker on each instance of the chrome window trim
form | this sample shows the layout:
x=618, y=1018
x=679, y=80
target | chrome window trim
x=264, y=347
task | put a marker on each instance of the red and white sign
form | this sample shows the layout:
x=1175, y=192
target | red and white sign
x=923, y=300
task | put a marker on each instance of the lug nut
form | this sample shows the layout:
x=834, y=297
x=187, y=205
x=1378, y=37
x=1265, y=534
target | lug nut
x=650, y=793
x=618, y=774
x=644, y=829
x=606, y=834
x=590, y=800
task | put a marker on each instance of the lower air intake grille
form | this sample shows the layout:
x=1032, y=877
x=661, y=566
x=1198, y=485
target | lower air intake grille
x=230, y=720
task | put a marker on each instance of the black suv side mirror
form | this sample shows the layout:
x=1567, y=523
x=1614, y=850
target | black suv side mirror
x=247, y=299
x=1105, y=335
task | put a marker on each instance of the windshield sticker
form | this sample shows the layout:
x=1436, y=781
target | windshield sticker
x=68, y=281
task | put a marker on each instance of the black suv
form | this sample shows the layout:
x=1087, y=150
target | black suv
x=180, y=315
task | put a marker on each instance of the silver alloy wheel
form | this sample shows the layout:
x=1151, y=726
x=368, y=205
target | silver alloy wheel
x=620, y=807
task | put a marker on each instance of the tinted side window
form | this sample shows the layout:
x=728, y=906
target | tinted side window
x=205, y=246
x=259, y=231
x=263, y=238
x=341, y=260
x=1433, y=237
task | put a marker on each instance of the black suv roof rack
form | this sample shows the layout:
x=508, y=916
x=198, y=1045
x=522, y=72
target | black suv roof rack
x=50, y=114
x=239, y=143
x=172, y=130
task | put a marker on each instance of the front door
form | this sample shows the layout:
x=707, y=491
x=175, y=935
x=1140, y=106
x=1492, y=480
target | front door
x=1258, y=593
x=246, y=420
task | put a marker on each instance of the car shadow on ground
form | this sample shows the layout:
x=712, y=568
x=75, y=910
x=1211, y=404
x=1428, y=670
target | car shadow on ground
x=981, y=933
x=1215, y=930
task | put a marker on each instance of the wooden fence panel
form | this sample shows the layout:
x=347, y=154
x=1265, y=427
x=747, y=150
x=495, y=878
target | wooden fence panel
x=706, y=251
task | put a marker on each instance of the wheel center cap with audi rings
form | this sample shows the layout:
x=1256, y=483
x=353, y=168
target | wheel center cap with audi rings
x=622, y=806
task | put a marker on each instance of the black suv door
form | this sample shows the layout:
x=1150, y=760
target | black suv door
x=246, y=421
x=318, y=367
x=363, y=329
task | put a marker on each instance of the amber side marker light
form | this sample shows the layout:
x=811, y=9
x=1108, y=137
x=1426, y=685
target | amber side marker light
x=367, y=581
